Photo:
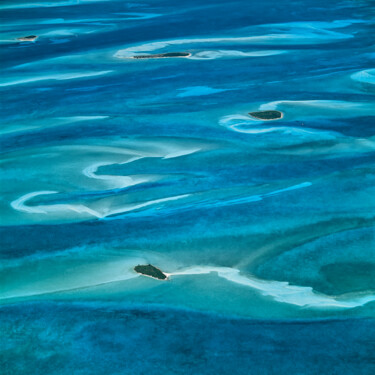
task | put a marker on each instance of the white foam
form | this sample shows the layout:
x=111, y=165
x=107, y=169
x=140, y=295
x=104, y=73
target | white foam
x=282, y=291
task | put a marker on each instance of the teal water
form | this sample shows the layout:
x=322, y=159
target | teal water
x=266, y=227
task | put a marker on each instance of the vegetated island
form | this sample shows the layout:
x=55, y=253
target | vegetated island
x=267, y=115
x=151, y=271
x=29, y=38
x=163, y=55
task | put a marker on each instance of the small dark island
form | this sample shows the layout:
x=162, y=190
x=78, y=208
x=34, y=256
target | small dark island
x=29, y=38
x=151, y=271
x=267, y=115
x=162, y=55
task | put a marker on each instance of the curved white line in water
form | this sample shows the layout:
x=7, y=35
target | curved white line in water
x=146, y=204
x=19, y=205
x=302, y=109
x=235, y=122
x=229, y=118
x=103, y=207
x=282, y=291
x=120, y=182
x=298, y=109
x=279, y=129
x=117, y=182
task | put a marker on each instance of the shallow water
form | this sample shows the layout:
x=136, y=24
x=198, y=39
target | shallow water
x=266, y=227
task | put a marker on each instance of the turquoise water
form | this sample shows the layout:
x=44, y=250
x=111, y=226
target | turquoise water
x=265, y=227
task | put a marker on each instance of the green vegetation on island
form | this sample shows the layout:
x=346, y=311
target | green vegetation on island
x=161, y=55
x=150, y=270
x=267, y=115
x=29, y=38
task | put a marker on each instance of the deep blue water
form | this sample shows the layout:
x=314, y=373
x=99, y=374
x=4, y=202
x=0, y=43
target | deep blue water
x=144, y=340
x=266, y=227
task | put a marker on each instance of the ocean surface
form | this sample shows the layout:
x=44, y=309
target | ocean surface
x=265, y=227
